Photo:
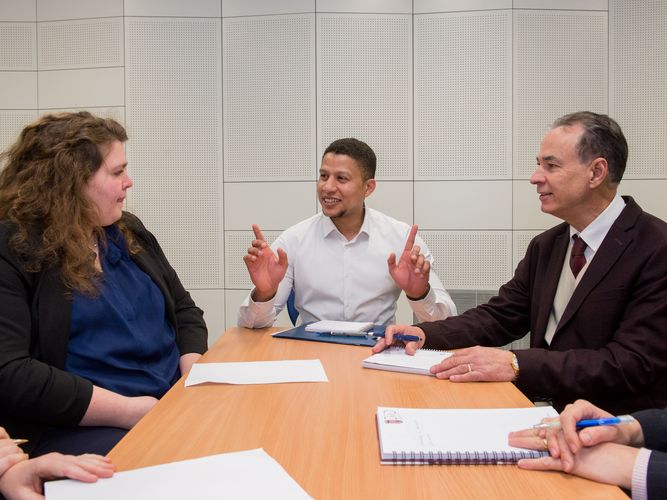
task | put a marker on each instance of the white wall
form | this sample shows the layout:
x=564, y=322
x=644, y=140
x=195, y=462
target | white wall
x=229, y=105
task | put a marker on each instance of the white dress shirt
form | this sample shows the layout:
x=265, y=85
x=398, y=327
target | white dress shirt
x=337, y=279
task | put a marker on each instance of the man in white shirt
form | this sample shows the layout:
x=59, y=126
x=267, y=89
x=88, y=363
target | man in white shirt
x=341, y=263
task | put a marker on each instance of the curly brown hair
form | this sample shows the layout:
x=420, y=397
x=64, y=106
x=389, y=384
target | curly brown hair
x=42, y=183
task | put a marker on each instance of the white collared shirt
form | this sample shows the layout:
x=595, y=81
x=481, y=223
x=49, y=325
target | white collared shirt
x=595, y=232
x=337, y=279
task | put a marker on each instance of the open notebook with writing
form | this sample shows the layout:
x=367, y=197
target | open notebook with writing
x=456, y=436
x=394, y=359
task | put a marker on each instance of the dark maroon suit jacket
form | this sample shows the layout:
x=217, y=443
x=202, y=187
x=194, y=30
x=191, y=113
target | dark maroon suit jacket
x=610, y=346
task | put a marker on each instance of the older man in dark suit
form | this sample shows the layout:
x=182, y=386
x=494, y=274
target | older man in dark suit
x=592, y=291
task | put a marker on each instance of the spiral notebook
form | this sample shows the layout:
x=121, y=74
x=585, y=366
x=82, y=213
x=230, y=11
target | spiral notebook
x=395, y=359
x=460, y=436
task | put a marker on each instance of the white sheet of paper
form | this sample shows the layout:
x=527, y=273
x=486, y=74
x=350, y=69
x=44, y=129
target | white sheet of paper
x=257, y=372
x=251, y=474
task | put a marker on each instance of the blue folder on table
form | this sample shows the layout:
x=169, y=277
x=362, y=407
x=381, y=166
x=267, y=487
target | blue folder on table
x=300, y=333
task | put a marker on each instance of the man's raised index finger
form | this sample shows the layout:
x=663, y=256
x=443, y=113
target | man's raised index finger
x=411, y=238
x=258, y=232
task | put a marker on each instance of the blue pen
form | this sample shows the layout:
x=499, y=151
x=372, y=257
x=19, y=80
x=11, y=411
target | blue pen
x=593, y=422
x=400, y=336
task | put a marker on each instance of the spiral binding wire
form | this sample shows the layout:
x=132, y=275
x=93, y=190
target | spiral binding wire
x=464, y=457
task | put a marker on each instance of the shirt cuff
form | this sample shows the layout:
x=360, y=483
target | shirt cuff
x=423, y=296
x=639, y=471
x=260, y=306
x=256, y=314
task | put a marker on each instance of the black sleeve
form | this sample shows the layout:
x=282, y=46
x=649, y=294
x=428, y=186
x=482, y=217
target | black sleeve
x=32, y=387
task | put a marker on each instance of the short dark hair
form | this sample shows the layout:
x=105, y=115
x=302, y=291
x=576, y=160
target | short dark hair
x=603, y=137
x=358, y=151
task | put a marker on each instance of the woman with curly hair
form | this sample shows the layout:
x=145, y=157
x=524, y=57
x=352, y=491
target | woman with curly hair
x=95, y=325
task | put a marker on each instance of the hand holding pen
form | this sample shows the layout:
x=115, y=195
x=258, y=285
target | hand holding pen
x=400, y=336
x=583, y=424
x=411, y=336
x=580, y=425
x=10, y=453
x=588, y=422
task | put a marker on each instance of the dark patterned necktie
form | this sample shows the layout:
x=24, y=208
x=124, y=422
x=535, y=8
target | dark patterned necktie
x=577, y=257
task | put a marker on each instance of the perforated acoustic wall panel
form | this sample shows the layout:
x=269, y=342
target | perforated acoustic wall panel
x=173, y=88
x=89, y=43
x=11, y=124
x=463, y=84
x=236, y=246
x=471, y=260
x=364, y=86
x=53, y=10
x=560, y=66
x=18, y=75
x=638, y=58
x=269, y=97
x=17, y=46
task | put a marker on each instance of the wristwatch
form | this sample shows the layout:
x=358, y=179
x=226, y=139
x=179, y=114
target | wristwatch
x=515, y=366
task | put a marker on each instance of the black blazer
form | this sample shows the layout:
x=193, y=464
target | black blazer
x=654, y=427
x=35, y=311
x=610, y=346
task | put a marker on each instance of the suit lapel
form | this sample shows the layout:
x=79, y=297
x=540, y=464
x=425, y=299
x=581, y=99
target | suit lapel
x=549, y=284
x=613, y=246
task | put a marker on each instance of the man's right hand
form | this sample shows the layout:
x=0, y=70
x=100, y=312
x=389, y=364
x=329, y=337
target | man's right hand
x=565, y=443
x=266, y=269
x=389, y=340
x=628, y=434
x=10, y=453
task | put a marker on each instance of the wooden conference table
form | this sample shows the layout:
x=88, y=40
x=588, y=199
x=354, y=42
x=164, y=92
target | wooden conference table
x=324, y=434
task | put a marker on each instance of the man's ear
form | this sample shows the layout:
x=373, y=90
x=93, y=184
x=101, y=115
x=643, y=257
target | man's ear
x=599, y=171
x=369, y=188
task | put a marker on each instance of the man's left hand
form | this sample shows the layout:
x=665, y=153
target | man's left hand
x=412, y=270
x=476, y=364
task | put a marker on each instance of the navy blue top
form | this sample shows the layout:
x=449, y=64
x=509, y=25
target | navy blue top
x=121, y=339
